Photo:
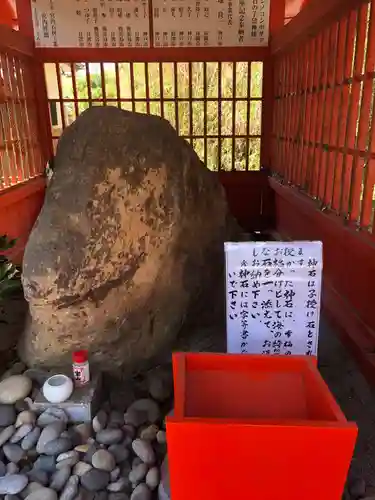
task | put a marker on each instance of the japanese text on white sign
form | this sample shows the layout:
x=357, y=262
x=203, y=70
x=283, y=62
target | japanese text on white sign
x=91, y=24
x=210, y=23
x=273, y=297
x=126, y=23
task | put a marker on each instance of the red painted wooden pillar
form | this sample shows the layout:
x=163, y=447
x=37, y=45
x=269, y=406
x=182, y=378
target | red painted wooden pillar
x=8, y=14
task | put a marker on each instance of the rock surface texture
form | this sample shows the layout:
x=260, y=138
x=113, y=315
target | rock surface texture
x=128, y=245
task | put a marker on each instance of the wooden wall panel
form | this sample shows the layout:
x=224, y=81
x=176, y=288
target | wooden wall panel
x=250, y=199
x=349, y=269
x=19, y=208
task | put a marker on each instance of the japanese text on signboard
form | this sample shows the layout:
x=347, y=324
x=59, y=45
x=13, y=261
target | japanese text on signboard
x=126, y=23
x=210, y=23
x=91, y=24
x=273, y=297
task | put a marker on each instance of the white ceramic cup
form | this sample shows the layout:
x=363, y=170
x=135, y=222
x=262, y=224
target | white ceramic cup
x=58, y=388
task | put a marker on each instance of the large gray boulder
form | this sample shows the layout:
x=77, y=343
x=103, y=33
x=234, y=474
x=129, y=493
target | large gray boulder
x=128, y=245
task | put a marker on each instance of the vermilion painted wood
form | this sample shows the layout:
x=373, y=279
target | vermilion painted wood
x=208, y=54
x=349, y=256
x=19, y=208
x=335, y=158
x=36, y=81
x=311, y=20
x=341, y=176
x=293, y=7
x=277, y=13
x=326, y=169
x=19, y=142
x=366, y=128
x=249, y=417
x=300, y=116
x=7, y=14
x=358, y=336
x=351, y=188
x=14, y=42
x=25, y=20
x=337, y=171
x=250, y=198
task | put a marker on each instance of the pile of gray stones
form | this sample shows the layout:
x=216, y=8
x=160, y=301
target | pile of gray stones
x=117, y=456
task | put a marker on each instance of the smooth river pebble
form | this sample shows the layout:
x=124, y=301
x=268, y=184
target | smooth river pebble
x=57, y=446
x=6, y=434
x=13, y=484
x=120, y=452
x=14, y=388
x=138, y=473
x=149, y=433
x=49, y=433
x=39, y=476
x=109, y=436
x=153, y=478
x=118, y=496
x=12, y=468
x=81, y=468
x=25, y=417
x=7, y=415
x=46, y=463
x=99, y=421
x=141, y=492
x=103, y=460
x=60, y=478
x=118, y=486
x=31, y=439
x=67, y=455
x=43, y=494
x=30, y=488
x=13, y=452
x=71, y=489
x=52, y=415
x=144, y=451
x=95, y=480
x=21, y=432
x=3, y=468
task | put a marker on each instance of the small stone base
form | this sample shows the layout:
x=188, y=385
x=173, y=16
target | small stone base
x=81, y=406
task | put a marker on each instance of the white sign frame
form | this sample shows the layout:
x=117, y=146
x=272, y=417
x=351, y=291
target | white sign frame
x=273, y=313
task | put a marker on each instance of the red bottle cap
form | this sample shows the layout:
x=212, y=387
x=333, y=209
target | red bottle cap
x=80, y=356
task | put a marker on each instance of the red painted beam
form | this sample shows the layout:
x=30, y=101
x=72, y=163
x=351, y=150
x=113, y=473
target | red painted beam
x=316, y=15
x=208, y=54
x=8, y=15
x=19, y=208
x=294, y=7
x=349, y=265
x=14, y=42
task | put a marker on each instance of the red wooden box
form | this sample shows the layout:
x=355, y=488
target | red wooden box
x=255, y=427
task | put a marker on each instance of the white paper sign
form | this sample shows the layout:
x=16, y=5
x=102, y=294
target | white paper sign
x=273, y=297
x=210, y=23
x=91, y=23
